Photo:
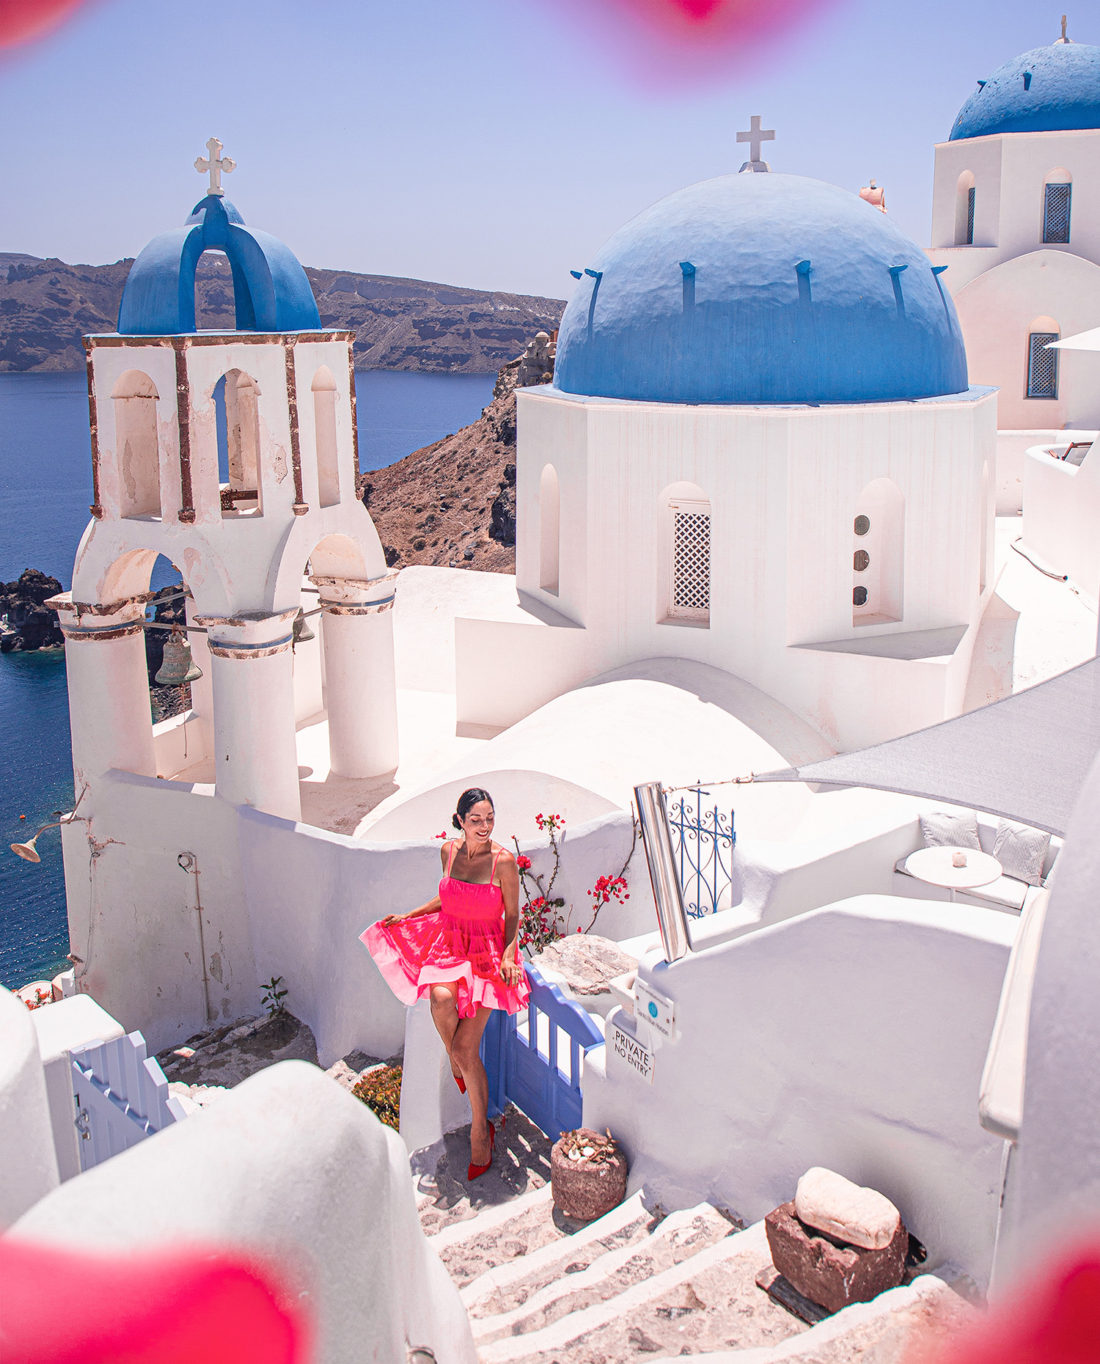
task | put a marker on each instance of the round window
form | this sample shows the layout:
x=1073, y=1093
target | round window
x=860, y=560
x=862, y=525
x=859, y=596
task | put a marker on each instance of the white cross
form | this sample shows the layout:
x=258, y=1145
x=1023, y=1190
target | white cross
x=215, y=163
x=755, y=136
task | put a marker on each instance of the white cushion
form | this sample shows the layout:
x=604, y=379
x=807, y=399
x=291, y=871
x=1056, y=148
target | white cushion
x=1021, y=851
x=830, y=1203
x=1006, y=891
x=950, y=828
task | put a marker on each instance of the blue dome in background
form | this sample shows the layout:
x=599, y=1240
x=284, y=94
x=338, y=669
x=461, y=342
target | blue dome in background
x=1049, y=89
x=760, y=288
x=270, y=288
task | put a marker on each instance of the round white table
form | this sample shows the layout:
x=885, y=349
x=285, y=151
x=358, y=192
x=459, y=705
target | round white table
x=934, y=865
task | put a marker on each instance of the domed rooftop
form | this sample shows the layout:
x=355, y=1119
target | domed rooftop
x=1048, y=89
x=760, y=288
x=270, y=289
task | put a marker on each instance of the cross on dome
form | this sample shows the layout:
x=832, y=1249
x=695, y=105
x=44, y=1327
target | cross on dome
x=215, y=163
x=1063, y=38
x=754, y=137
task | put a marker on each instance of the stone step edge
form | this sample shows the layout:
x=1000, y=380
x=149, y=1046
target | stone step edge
x=488, y=1219
x=506, y=1275
x=560, y=1335
x=601, y=1268
x=832, y=1329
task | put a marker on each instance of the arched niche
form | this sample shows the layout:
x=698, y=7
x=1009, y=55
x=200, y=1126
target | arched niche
x=966, y=197
x=1057, y=201
x=549, y=530
x=137, y=447
x=236, y=398
x=683, y=555
x=324, y=425
x=1041, y=376
x=878, y=554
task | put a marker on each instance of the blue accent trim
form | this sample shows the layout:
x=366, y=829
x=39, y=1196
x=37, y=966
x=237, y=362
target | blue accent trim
x=938, y=269
x=597, y=275
x=576, y=274
x=518, y=1074
x=271, y=291
x=1048, y=89
x=687, y=268
x=752, y=338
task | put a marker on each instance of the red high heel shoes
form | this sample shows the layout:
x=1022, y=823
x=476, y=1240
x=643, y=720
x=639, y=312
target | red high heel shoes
x=476, y=1171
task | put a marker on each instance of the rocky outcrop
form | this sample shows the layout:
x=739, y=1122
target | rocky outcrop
x=46, y=306
x=453, y=504
x=28, y=623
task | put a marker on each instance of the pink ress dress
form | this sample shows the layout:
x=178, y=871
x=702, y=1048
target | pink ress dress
x=463, y=941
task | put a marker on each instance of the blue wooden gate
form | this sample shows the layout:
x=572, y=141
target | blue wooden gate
x=535, y=1059
x=121, y=1097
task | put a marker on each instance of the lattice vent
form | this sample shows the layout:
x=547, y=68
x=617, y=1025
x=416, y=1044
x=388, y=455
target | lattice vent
x=691, y=563
x=1056, y=213
x=1042, y=366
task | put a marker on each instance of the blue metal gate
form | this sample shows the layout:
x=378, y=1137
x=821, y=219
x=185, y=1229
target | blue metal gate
x=535, y=1059
x=703, y=840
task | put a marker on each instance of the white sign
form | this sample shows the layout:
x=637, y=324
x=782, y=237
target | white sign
x=631, y=1052
x=658, y=1012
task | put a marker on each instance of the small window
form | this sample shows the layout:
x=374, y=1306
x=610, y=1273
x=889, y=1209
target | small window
x=971, y=194
x=1042, y=366
x=1056, y=213
x=860, y=560
x=859, y=596
x=861, y=525
x=690, y=596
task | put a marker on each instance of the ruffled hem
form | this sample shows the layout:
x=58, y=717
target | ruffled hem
x=411, y=983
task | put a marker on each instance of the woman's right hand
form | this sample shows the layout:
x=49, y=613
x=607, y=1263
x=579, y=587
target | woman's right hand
x=390, y=920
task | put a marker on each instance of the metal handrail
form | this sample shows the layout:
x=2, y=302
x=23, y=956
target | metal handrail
x=667, y=892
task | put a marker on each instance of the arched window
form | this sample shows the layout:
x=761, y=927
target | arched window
x=236, y=407
x=684, y=549
x=136, y=444
x=965, y=199
x=1042, y=362
x=549, y=529
x=878, y=554
x=1057, y=191
x=324, y=422
x=214, y=293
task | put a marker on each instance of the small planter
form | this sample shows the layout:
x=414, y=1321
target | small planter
x=587, y=1174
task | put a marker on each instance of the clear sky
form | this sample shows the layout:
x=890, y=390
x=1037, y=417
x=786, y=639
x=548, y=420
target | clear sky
x=492, y=143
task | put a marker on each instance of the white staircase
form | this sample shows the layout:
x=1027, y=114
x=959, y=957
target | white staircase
x=640, y=1285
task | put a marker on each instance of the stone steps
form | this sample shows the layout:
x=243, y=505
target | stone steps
x=509, y=1286
x=705, y=1302
x=541, y=1289
x=608, y=1274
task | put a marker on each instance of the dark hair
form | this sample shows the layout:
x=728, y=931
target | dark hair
x=466, y=802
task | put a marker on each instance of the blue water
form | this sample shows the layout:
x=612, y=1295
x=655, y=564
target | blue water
x=45, y=482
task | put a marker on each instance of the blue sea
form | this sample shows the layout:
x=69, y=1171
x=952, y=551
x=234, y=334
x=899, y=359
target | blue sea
x=45, y=483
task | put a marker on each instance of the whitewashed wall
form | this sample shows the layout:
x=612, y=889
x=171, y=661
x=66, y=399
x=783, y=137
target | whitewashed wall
x=783, y=484
x=1010, y=277
x=1062, y=513
x=336, y=1220
x=26, y=1136
x=851, y=1037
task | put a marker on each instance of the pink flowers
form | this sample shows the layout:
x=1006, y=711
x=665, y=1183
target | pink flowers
x=523, y=863
x=550, y=823
x=609, y=888
x=443, y=835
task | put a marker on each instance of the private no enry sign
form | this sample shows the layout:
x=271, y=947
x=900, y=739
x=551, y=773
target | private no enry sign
x=631, y=1052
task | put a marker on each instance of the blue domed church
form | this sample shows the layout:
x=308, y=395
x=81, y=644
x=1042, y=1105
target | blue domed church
x=760, y=452
x=1016, y=223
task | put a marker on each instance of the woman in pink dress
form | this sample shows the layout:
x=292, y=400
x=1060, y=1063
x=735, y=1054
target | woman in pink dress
x=459, y=950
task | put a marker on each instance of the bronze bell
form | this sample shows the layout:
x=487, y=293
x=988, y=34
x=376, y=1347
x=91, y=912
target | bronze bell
x=302, y=633
x=177, y=666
